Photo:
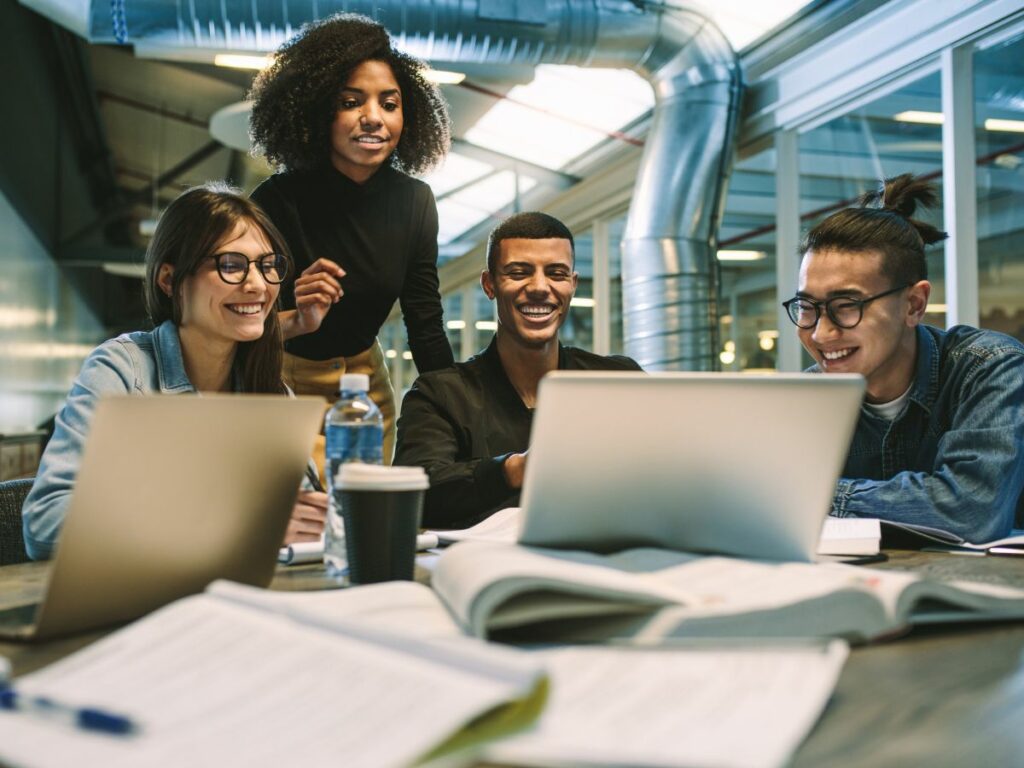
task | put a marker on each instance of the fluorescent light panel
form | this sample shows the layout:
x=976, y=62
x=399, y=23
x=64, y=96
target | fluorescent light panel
x=242, y=61
x=443, y=77
x=741, y=255
x=1010, y=126
x=917, y=116
x=993, y=124
x=580, y=301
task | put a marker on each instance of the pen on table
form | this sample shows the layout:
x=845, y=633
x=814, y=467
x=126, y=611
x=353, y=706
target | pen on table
x=314, y=480
x=87, y=718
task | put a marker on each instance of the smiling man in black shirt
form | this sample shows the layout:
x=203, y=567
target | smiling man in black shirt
x=469, y=425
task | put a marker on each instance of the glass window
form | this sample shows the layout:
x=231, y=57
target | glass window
x=578, y=330
x=453, y=321
x=748, y=319
x=616, y=230
x=568, y=106
x=900, y=132
x=999, y=119
x=486, y=319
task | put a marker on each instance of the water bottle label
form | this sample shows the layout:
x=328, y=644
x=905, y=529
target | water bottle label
x=347, y=443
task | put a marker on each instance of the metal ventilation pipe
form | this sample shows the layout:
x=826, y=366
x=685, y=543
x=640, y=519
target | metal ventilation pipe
x=670, y=273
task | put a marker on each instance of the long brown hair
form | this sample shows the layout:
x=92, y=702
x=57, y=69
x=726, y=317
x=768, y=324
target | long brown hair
x=188, y=233
x=884, y=223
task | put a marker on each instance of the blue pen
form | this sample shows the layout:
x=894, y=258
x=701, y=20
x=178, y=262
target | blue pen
x=82, y=717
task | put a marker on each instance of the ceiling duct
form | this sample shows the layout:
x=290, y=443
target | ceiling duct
x=670, y=273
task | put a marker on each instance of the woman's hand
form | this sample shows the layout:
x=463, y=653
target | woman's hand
x=316, y=289
x=308, y=516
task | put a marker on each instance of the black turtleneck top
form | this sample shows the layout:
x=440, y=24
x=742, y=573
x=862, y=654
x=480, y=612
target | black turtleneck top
x=383, y=233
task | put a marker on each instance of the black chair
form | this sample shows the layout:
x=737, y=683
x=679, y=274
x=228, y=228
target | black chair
x=12, y=542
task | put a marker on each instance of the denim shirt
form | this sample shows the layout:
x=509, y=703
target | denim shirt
x=139, y=363
x=954, y=457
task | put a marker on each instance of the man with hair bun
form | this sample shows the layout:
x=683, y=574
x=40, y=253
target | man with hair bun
x=940, y=438
x=469, y=425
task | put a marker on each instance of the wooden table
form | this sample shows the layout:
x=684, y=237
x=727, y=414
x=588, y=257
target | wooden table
x=941, y=696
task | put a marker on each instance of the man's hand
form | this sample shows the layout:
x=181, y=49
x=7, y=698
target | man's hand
x=316, y=290
x=514, y=469
x=307, y=521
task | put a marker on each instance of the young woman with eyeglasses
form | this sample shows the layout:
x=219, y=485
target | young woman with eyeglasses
x=213, y=275
x=346, y=118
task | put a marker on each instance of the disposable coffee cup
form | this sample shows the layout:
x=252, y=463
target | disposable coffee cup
x=381, y=508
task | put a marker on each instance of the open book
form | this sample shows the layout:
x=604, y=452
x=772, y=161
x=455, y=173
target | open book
x=715, y=704
x=647, y=595
x=241, y=676
x=839, y=536
x=381, y=676
x=1012, y=544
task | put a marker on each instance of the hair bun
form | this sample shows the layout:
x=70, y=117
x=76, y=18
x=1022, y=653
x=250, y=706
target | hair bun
x=902, y=195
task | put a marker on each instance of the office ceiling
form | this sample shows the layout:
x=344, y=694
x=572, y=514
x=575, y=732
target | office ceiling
x=518, y=130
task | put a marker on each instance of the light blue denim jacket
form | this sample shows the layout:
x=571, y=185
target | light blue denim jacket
x=139, y=363
x=954, y=458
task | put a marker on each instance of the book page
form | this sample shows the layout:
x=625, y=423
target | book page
x=850, y=536
x=474, y=578
x=212, y=683
x=477, y=579
x=403, y=608
x=949, y=539
x=503, y=527
x=723, y=706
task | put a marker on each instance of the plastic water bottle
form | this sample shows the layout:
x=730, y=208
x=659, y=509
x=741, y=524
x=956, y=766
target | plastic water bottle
x=354, y=429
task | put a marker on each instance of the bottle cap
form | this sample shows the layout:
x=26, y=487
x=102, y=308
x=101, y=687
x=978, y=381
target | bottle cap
x=355, y=382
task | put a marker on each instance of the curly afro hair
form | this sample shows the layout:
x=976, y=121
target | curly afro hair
x=296, y=98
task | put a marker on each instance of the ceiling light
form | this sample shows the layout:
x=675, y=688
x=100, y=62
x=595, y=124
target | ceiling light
x=241, y=61
x=443, y=77
x=391, y=354
x=935, y=309
x=727, y=357
x=1013, y=126
x=407, y=355
x=26, y=317
x=915, y=116
x=579, y=301
x=47, y=350
x=486, y=325
x=125, y=269
x=741, y=255
x=455, y=325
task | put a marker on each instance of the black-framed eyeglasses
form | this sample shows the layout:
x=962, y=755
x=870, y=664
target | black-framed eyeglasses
x=843, y=311
x=233, y=268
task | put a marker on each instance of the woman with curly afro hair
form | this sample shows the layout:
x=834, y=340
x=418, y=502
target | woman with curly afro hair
x=345, y=117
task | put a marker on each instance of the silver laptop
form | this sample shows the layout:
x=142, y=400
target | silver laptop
x=728, y=463
x=172, y=493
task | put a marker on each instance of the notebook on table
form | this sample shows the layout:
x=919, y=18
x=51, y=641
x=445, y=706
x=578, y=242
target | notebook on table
x=727, y=463
x=172, y=493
